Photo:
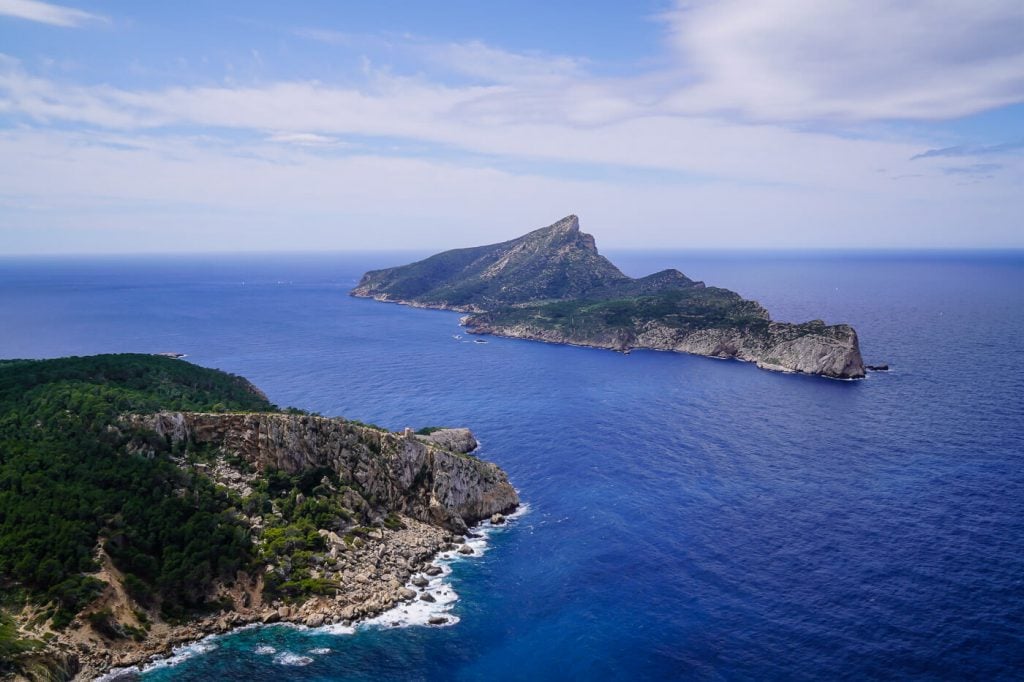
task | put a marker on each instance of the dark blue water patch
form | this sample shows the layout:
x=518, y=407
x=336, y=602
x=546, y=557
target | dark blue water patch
x=691, y=518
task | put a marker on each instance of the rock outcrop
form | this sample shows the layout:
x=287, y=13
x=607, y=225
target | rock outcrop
x=812, y=348
x=431, y=480
x=552, y=285
x=456, y=440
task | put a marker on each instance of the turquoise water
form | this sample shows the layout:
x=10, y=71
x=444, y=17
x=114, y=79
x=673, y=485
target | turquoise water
x=690, y=518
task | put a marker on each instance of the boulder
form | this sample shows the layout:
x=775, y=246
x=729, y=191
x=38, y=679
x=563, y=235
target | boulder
x=466, y=549
x=497, y=519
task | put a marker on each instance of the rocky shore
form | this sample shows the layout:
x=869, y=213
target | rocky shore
x=812, y=348
x=400, y=500
x=372, y=578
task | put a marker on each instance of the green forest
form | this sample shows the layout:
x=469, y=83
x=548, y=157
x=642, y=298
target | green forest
x=68, y=481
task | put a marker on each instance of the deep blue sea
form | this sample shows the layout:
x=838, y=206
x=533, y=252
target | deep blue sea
x=689, y=518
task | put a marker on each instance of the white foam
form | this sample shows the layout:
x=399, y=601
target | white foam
x=416, y=612
x=419, y=612
x=288, y=658
x=179, y=655
x=336, y=629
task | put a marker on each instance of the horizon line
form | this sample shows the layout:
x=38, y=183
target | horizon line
x=838, y=250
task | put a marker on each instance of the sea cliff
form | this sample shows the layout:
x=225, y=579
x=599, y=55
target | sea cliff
x=404, y=473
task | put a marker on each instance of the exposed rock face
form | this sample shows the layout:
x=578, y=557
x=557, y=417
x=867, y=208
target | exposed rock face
x=812, y=348
x=552, y=285
x=555, y=262
x=456, y=440
x=370, y=578
x=417, y=477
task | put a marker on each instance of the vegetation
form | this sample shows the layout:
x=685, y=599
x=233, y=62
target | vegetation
x=303, y=503
x=12, y=645
x=689, y=309
x=554, y=278
x=557, y=262
x=70, y=483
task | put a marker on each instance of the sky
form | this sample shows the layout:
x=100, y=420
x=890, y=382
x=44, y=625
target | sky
x=133, y=126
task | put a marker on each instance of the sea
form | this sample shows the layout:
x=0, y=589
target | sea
x=686, y=518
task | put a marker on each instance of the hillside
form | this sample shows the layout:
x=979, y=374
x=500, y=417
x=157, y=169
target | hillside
x=555, y=262
x=552, y=285
x=140, y=495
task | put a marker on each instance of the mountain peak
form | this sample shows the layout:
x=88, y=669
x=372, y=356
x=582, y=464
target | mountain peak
x=556, y=262
x=570, y=223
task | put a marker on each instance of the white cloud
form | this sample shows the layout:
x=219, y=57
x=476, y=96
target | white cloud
x=47, y=13
x=303, y=139
x=523, y=139
x=492, y=65
x=580, y=124
x=849, y=59
x=158, y=192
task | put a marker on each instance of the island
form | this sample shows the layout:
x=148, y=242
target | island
x=146, y=502
x=552, y=285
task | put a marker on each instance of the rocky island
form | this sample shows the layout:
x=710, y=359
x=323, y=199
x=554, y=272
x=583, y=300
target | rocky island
x=146, y=502
x=552, y=285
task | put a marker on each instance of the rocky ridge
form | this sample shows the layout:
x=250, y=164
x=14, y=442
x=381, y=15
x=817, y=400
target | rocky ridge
x=430, y=478
x=552, y=285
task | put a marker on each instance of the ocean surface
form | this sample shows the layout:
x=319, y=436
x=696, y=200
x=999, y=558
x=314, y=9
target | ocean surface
x=688, y=518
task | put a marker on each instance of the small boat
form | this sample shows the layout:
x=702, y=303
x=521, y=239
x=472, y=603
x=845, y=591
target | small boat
x=479, y=341
x=456, y=336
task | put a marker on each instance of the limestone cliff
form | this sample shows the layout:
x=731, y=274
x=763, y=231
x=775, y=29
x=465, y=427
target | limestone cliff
x=552, y=285
x=811, y=348
x=397, y=473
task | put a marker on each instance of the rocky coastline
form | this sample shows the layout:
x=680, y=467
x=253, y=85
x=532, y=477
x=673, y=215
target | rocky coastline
x=392, y=568
x=408, y=497
x=828, y=351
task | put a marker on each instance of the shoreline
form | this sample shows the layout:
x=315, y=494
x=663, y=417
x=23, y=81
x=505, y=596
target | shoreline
x=403, y=610
x=490, y=331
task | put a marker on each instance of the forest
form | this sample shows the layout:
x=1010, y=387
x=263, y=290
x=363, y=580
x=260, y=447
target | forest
x=70, y=482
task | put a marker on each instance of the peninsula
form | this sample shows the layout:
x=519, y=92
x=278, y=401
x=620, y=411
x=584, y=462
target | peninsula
x=146, y=502
x=552, y=285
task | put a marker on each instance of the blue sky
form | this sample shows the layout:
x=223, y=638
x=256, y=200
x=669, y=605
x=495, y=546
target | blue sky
x=154, y=126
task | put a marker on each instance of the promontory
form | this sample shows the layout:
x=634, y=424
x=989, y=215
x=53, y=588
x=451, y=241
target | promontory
x=146, y=502
x=552, y=285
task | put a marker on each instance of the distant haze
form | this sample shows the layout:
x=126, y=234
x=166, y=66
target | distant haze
x=148, y=127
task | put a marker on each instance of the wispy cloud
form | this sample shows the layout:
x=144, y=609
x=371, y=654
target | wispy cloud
x=971, y=150
x=304, y=139
x=848, y=59
x=585, y=122
x=743, y=126
x=490, y=64
x=47, y=13
x=975, y=169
